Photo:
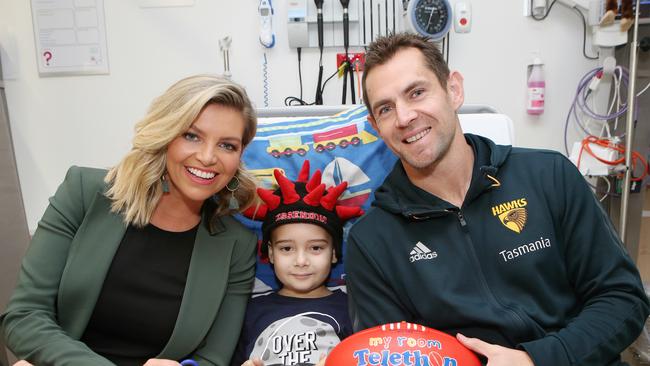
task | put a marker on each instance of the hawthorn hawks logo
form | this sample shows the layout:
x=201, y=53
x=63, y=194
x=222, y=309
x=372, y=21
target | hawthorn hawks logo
x=512, y=214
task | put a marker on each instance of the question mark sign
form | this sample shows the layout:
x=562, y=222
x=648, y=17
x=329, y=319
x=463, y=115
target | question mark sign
x=48, y=57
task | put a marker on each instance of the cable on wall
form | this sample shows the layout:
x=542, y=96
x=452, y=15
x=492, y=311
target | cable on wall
x=265, y=80
x=584, y=26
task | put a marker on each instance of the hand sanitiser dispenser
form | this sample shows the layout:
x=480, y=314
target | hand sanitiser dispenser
x=297, y=26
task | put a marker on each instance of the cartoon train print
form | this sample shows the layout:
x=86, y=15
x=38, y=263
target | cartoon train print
x=341, y=137
x=286, y=146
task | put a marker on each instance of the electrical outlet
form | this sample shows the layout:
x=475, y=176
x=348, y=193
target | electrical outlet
x=358, y=57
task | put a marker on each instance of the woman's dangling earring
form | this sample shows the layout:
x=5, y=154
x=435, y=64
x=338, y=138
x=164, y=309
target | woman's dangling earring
x=232, y=186
x=165, y=183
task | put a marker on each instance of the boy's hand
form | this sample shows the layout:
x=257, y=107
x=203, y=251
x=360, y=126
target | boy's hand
x=22, y=363
x=496, y=355
x=253, y=362
x=323, y=357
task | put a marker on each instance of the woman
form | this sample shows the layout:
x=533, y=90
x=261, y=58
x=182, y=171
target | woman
x=143, y=264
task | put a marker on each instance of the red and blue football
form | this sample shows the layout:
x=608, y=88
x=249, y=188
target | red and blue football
x=401, y=344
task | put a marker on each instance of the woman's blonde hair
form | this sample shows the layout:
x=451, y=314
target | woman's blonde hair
x=135, y=184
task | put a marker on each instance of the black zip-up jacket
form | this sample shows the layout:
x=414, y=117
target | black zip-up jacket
x=530, y=261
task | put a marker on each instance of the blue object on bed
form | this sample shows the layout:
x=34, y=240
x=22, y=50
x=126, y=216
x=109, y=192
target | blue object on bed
x=343, y=146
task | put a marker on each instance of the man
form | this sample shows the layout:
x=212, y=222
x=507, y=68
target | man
x=507, y=248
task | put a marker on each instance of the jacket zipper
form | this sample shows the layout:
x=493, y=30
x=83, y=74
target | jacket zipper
x=481, y=276
x=463, y=223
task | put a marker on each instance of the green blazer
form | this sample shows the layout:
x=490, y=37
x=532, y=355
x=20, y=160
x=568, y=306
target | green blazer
x=65, y=266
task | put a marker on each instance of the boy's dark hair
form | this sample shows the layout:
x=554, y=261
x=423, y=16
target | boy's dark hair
x=304, y=201
x=382, y=49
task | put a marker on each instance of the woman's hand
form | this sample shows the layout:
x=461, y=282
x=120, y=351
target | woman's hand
x=22, y=363
x=496, y=355
x=253, y=362
x=161, y=362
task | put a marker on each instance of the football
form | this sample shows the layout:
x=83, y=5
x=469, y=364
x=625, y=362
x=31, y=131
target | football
x=401, y=344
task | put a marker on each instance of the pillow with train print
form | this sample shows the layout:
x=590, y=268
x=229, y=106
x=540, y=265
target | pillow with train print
x=344, y=147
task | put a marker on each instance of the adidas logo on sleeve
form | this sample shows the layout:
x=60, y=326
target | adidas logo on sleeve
x=421, y=252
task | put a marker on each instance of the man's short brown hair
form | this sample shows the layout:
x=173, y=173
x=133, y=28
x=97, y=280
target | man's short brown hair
x=384, y=48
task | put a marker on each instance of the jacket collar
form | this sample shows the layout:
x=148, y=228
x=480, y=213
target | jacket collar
x=398, y=195
x=206, y=286
x=212, y=223
x=487, y=160
x=90, y=257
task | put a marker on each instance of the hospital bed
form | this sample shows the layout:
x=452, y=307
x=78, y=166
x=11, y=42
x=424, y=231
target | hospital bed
x=340, y=142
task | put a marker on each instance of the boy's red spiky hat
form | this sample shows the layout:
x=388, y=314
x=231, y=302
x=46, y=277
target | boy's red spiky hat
x=306, y=200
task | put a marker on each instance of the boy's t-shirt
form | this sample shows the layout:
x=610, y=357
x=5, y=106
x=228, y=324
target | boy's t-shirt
x=285, y=330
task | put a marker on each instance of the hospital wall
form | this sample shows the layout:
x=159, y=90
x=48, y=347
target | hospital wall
x=88, y=120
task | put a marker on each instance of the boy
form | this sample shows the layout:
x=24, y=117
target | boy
x=302, y=232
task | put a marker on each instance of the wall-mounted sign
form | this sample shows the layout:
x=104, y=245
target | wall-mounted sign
x=70, y=37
